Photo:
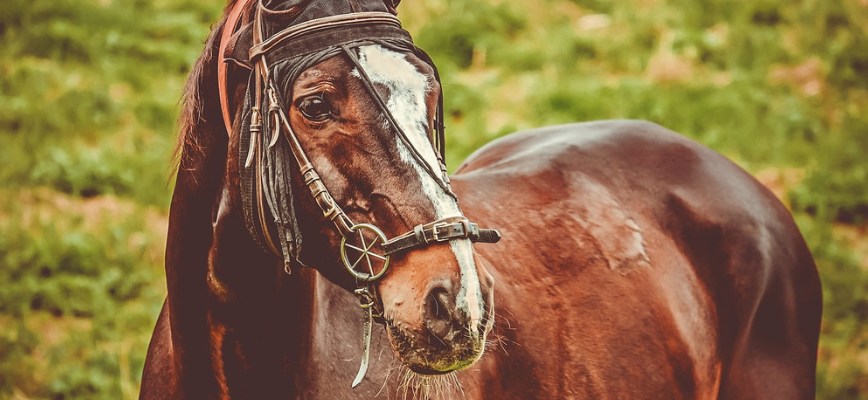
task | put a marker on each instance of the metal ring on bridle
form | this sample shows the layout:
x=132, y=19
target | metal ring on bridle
x=366, y=253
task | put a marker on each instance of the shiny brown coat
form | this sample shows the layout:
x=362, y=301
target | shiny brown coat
x=635, y=264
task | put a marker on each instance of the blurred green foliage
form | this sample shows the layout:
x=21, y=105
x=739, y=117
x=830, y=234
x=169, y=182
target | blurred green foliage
x=88, y=92
x=82, y=286
x=88, y=100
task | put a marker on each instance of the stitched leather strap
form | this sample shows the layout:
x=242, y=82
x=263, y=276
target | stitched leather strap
x=228, y=29
x=441, y=231
x=341, y=21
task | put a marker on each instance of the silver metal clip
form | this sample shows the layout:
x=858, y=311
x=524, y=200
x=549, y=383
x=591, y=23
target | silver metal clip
x=273, y=109
x=366, y=302
x=255, y=127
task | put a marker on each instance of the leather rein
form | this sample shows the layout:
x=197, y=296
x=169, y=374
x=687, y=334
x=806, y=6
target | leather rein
x=364, y=249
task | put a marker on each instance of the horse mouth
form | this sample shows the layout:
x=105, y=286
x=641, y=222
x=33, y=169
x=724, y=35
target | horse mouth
x=426, y=354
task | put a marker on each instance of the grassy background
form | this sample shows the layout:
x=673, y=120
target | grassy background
x=88, y=100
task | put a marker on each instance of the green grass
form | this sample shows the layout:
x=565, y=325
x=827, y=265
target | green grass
x=88, y=100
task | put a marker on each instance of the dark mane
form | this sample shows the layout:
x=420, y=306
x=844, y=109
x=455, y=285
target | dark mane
x=193, y=115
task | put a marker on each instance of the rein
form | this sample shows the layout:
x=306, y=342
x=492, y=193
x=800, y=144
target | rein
x=267, y=162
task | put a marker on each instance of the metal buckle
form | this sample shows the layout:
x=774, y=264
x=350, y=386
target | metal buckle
x=435, y=227
x=326, y=203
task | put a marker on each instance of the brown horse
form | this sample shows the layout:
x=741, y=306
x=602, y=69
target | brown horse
x=635, y=264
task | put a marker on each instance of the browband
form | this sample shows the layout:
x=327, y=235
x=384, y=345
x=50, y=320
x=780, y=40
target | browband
x=305, y=38
x=336, y=23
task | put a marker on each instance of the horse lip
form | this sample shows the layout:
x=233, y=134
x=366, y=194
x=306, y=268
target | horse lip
x=407, y=346
x=424, y=370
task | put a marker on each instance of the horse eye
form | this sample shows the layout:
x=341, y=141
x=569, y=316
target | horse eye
x=315, y=108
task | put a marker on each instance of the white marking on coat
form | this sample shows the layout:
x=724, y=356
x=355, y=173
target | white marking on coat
x=407, y=94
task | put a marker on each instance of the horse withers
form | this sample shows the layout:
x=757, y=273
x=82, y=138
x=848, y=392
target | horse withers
x=312, y=206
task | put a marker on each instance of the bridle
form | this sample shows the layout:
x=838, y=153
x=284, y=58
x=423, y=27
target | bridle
x=267, y=163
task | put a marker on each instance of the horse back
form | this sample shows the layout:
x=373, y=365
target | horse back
x=675, y=247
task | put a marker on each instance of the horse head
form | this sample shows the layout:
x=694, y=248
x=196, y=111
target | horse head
x=336, y=158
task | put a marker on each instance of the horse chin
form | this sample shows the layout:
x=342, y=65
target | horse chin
x=427, y=355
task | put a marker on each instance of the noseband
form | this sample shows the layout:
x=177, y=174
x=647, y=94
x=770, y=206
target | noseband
x=265, y=159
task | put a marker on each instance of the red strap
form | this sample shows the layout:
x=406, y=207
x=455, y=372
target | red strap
x=228, y=29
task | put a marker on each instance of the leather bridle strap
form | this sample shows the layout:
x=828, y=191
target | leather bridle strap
x=442, y=176
x=442, y=230
x=335, y=23
x=228, y=29
x=312, y=180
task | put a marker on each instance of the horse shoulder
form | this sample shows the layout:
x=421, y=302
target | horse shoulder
x=618, y=172
x=592, y=184
x=576, y=262
x=629, y=210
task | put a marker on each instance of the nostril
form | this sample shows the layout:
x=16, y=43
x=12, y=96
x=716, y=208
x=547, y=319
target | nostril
x=438, y=301
x=437, y=310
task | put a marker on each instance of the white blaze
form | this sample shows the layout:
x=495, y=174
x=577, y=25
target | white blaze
x=408, y=88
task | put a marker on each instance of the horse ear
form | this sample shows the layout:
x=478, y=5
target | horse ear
x=238, y=46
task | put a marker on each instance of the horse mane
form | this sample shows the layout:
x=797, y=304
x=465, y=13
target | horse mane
x=193, y=110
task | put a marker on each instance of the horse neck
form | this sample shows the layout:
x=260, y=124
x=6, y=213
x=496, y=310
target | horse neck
x=290, y=331
x=237, y=320
x=263, y=315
